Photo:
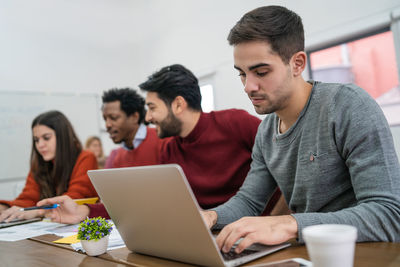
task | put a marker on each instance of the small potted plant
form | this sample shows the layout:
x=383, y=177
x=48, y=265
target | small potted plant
x=93, y=234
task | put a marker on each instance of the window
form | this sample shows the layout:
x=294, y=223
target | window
x=369, y=62
x=207, y=97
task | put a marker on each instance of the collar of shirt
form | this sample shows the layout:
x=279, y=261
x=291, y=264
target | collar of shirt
x=139, y=137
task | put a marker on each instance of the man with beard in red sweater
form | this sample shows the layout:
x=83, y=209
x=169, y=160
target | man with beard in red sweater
x=213, y=149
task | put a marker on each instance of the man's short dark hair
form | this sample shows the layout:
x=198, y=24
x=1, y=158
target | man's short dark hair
x=129, y=99
x=277, y=25
x=173, y=81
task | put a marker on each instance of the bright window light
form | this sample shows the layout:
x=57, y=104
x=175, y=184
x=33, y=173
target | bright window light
x=207, y=97
x=369, y=62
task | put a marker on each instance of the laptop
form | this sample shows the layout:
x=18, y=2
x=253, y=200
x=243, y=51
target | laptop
x=156, y=213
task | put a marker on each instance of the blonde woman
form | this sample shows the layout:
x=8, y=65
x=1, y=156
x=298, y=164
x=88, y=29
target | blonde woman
x=93, y=144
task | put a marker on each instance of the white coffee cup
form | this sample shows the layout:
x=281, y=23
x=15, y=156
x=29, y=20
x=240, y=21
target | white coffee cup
x=330, y=245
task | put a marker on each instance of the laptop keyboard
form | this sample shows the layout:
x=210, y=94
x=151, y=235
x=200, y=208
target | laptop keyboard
x=231, y=255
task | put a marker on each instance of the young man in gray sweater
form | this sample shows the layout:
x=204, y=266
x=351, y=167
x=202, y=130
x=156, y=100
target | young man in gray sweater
x=327, y=146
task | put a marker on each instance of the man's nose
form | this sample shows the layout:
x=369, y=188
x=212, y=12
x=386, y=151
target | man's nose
x=148, y=117
x=250, y=85
x=108, y=123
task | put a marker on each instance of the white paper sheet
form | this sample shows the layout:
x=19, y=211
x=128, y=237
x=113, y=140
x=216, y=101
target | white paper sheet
x=24, y=231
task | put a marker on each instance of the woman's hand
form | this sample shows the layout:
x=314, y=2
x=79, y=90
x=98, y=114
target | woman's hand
x=15, y=213
x=3, y=208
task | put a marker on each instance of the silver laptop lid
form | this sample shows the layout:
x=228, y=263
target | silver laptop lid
x=156, y=213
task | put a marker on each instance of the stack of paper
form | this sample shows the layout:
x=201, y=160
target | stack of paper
x=67, y=231
x=115, y=241
x=24, y=231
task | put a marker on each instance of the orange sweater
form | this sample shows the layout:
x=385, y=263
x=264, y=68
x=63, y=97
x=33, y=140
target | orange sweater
x=79, y=183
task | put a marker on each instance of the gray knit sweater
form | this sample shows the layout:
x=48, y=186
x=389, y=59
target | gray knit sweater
x=336, y=164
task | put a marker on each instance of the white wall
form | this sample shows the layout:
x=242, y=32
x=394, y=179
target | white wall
x=93, y=45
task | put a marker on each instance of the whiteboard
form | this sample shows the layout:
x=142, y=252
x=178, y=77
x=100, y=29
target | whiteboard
x=17, y=111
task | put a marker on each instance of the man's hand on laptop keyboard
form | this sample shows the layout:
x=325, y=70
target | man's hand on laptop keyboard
x=267, y=230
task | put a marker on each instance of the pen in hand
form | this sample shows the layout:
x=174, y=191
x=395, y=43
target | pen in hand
x=44, y=207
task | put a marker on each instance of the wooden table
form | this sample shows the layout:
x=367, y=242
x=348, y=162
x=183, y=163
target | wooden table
x=40, y=251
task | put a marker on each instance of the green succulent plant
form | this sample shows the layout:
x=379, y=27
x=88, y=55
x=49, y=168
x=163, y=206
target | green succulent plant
x=94, y=229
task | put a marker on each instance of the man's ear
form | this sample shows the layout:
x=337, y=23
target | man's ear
x=298, y=63
x=178, y=105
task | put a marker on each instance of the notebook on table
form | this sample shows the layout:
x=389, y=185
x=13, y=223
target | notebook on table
x=156, y=214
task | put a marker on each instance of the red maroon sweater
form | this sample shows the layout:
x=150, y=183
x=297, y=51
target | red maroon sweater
x=147, y=153
x=216, y=155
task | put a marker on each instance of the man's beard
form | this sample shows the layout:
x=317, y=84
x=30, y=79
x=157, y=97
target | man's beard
x=170, y=126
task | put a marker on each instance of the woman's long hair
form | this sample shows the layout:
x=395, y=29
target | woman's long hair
x=53, y=176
